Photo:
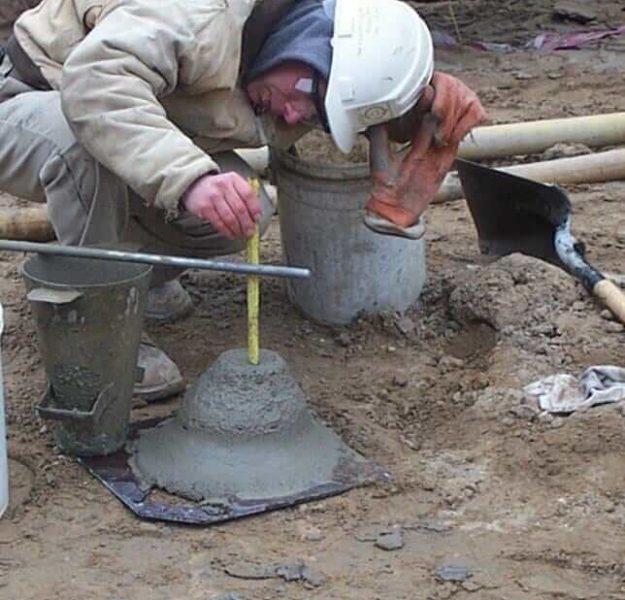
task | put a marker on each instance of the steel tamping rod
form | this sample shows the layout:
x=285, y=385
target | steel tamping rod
x=156, y=259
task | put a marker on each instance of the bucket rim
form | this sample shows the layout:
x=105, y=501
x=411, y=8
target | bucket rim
x=146, y=271
x=320, y=170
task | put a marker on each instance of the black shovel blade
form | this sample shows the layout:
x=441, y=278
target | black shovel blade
x=513, y=214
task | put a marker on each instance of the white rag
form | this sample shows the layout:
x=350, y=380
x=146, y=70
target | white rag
x=565, y=394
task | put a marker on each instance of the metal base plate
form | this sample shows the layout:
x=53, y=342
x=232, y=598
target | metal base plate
x=114, y=472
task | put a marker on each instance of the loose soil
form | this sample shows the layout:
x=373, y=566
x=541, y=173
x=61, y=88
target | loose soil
x=317, y=147
x=524, y=505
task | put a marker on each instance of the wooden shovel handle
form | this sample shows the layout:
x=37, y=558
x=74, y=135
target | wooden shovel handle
x=30, y=224
x=611, y=296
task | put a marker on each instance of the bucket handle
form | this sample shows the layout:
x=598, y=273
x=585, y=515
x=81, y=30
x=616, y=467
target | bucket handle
x=52, y=296
x=47, y=410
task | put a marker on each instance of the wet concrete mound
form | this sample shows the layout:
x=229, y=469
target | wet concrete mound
x=244, y=432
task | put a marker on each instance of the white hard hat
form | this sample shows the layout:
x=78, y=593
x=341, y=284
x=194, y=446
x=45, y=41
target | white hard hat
x=383, y=58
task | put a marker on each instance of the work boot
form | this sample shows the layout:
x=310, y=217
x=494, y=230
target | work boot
x=168, y=301
x=158, y=375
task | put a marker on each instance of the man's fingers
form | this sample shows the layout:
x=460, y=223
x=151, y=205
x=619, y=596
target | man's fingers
x=425, y=135
x=457, y=106
x=210, y=214
x=228, y=208
x=425, y=103
x=473, y=116
x=442, y=85
x=228, y=201
x=249, y=197
x=239, y=207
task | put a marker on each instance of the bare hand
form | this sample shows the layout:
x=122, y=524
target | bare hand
x=227, y=201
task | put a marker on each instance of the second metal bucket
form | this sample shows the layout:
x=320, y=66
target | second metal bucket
x=89, y=315
x=354, y=270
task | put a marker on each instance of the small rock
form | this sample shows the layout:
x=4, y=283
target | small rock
x=390, y=541
x=229, y=596
x=343, y=339
x=325, y=353
x=306, y=328
x=614, y=327
x=565, y=150
x=617, y=278
x=574, y=10
x=429, y=361
x=546, y=329
x=606, y=314
x=400, y=380
x=147, y=527
x=290, y=572
x=471, y=586
x=450, y=362
x=299, y=572
x=453, y=573
x=428, y=482
x=524, y=76
x=557, y=423
x=312, y=579
x=250, y=571
x=445, y=591
x=366, y=536
x=578, y=305
x=434, y=237
x=430, y=526
x=313, y=535
x=526, y=412
x=406, y=325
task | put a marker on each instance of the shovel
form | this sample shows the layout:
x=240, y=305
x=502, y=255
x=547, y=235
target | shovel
x=514, y=214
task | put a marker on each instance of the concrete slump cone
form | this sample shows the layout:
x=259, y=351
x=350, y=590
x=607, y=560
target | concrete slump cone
x=244, y=434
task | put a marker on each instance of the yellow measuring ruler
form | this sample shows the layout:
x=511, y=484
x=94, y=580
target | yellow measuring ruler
x=253, y=292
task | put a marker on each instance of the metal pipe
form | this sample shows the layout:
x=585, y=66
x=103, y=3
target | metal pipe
x=499, y=141
x=156, y=259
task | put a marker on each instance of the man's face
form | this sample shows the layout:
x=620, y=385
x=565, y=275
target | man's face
x=279, y=93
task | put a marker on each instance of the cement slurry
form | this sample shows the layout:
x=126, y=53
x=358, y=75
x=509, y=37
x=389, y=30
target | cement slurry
x=243, y=431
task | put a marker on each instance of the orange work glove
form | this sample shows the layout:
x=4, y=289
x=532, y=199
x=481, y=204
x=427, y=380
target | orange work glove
x=403, y=186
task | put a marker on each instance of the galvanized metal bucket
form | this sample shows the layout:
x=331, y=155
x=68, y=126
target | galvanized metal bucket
x=321, y=209
x=89, y=315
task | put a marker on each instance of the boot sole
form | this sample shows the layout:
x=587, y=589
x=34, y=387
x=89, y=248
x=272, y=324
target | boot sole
x=160, y=393
x=171, y=317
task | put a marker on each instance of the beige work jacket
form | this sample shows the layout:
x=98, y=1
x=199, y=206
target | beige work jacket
x=150, y=87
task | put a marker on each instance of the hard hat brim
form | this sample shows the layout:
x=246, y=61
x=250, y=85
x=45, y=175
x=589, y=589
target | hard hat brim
x=343, y=129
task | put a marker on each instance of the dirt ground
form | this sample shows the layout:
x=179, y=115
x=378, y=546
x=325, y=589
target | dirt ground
x=492, y=499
